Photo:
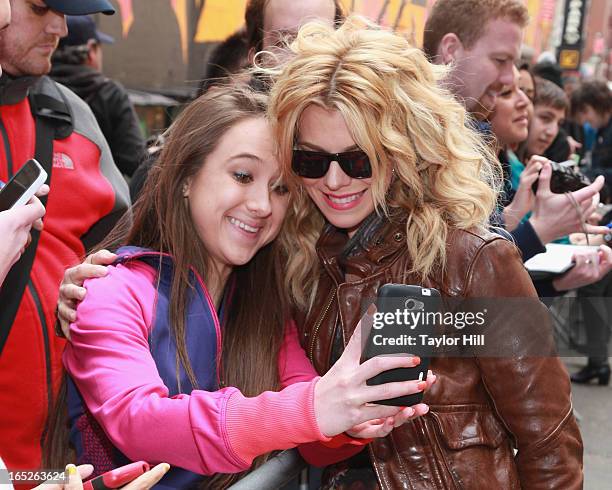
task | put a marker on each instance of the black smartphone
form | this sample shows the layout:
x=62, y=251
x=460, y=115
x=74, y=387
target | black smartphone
x=404, y=315
x=22, y=186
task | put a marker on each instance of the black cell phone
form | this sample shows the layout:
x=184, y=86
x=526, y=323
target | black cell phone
x=403, y=312
x=24, y=184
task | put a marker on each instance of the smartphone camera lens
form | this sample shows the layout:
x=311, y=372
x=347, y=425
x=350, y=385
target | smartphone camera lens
x=413, y=304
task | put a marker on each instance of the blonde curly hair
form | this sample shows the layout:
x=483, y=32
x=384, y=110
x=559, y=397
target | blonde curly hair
x=398, y=112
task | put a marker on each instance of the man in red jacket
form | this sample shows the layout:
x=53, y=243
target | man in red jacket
x=41, y=118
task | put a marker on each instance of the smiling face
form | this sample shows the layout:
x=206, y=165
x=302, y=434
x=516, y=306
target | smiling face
x=544, y=128
x=345, y=202
x=236, y=203
x=510, y=121
x=479, y=73
x=29, y=41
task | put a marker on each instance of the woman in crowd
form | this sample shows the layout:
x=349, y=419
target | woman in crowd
x=590, y=274
x=393, y=186
x=509, y=123
x=183, y=352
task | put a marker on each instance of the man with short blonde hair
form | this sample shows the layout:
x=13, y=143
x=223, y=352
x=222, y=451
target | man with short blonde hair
x=481, y=40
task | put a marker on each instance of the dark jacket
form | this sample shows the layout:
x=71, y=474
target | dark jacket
x=602, y=151
x=559, y=149
x=481, y=408
x=114, y=112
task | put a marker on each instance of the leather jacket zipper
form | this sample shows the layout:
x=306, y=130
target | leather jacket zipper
x=318, y=326
x=7, y=149
x=453, y=474
x=46, y=341
x=381, y=481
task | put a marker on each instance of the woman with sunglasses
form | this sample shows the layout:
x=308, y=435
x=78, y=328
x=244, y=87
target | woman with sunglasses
x=183, y=351
x=393, y=187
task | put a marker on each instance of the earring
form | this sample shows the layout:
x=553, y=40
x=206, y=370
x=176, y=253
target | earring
x=185, y=190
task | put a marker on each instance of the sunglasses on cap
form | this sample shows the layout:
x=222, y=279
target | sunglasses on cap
x=315, y=164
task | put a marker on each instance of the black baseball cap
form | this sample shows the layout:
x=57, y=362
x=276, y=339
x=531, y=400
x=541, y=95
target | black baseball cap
x=81, y=7
x=82, y=28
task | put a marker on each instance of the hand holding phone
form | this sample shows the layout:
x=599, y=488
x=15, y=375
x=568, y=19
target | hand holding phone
x=22, y=186
x=15, y=226
x=76, y=474
x=118, y=477
x=402, y=314
x=343, y=400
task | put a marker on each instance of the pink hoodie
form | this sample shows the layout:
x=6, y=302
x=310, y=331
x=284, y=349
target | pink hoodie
x=205, y=432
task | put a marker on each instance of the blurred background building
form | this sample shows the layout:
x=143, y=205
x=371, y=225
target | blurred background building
x=163, y=45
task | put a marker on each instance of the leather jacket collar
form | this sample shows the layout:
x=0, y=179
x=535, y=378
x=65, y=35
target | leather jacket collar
x=14, y=90
x=370, y=247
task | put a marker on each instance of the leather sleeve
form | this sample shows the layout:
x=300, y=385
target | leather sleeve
x=530, y=390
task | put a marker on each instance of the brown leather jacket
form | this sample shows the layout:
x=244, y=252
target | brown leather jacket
x=481, y=408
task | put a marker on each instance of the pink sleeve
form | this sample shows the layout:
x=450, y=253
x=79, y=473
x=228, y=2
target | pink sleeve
x=111, y=364
x=294, y=367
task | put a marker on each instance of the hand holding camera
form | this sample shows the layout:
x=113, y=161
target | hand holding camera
x=565, y=177
x=524, y=198
x=558, y=215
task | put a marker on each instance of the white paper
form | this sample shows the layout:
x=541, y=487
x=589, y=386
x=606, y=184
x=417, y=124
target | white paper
x=556, y=259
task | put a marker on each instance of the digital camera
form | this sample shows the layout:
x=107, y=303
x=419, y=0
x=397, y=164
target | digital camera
x=565, y=178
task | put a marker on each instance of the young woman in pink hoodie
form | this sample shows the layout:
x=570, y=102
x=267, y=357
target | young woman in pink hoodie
x=184, y=351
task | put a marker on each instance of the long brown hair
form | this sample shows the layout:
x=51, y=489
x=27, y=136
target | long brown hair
x=254, y=324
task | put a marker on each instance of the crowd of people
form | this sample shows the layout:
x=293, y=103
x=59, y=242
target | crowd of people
x=219, y=317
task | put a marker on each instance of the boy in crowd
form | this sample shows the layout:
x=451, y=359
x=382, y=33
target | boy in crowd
x=550, y=108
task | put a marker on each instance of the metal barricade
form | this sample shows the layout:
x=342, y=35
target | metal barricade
x=275, y=473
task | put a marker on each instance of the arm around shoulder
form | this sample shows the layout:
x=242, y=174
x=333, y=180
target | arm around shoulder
x=205, y=432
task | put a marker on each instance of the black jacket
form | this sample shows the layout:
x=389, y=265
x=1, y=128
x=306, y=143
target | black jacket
x=110, y=104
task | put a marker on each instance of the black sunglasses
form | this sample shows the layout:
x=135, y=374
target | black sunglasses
x=315, y=164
